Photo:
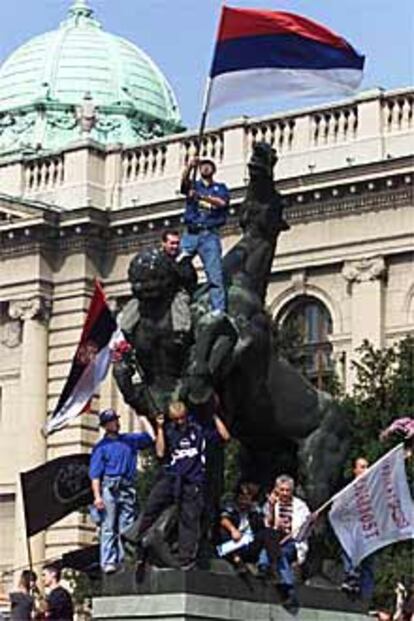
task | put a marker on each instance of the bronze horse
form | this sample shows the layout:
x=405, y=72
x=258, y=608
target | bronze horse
x=281, y=420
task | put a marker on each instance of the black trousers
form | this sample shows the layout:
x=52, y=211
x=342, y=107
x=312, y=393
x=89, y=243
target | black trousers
x=190, y=498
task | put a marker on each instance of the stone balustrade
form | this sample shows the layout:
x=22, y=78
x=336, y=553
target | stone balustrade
x=398, y=111
x=43, y=173
x=373, y=126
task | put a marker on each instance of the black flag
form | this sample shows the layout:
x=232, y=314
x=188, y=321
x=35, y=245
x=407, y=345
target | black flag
x=54, y=490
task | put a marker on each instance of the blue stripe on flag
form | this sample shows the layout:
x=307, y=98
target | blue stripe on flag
x=281, y=51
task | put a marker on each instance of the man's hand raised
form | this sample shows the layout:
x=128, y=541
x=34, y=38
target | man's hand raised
x=160, y=420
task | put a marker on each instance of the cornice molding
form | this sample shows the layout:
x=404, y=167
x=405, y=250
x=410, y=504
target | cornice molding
x=125, y=229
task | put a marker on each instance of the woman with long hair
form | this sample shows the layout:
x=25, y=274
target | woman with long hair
x=22, y=600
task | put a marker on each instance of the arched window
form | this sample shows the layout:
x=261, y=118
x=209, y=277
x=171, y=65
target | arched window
x=304, y=326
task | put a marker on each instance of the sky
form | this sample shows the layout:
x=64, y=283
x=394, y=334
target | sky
x=179, y=36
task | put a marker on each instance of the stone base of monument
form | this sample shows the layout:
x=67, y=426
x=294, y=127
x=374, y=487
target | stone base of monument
x=196, y=595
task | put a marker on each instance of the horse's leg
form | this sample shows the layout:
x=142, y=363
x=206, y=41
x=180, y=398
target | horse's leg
x=215, y=341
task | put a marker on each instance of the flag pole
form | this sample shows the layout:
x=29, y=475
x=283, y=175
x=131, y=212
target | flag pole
x=204, y=114
x=203, y=121
x=29, y=552
x=206, y=103
x=28, y=546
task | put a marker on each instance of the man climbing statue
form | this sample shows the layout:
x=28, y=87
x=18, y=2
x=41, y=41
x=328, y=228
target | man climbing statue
x=206, y=207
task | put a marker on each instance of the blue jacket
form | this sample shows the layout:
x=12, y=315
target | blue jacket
x=117, y=457
x=196, y=214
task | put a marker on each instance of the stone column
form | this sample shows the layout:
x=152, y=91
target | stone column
x=34, y=315
x=366, y=284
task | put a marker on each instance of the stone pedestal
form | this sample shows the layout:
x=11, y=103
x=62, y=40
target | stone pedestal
x=171, y=595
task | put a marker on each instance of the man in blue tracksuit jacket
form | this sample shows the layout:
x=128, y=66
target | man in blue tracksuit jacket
x=181, y=444
x=206, y=207
x=112, y=472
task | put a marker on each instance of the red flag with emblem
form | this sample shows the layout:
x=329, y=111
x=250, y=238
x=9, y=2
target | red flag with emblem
x=90, y=363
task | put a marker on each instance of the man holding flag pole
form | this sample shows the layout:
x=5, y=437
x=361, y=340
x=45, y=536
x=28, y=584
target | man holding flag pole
x=206, y=208
x=257, y=53
x=373, y=511
x=359, y=580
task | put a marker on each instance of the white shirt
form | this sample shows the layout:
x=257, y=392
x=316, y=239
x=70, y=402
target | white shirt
x=300, y=512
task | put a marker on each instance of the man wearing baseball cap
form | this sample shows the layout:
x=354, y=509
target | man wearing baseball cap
x=112, y=471
x=206, y=207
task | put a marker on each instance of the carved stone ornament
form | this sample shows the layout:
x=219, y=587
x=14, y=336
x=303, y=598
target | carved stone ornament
x=36, y=308
x=86, y=114
x=145, y=129
x=64, y=119
x=6, y=120
x=11, y=333
x=107, y=125
x=298, y=281
x=13, y=125
x=364, y=270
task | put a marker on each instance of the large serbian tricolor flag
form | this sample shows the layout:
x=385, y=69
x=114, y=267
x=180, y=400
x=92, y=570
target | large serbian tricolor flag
x=260, y=52
x=90, y=363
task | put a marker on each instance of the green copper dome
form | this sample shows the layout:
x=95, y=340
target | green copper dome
x=79, y=80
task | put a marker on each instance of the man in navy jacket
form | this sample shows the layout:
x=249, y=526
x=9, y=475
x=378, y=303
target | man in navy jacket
x=181, y=445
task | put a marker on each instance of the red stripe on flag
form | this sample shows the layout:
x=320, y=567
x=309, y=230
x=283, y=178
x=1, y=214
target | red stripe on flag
x=237, y=23
x=97, y=305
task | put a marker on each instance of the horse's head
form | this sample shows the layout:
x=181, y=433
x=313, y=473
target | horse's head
x=262, y=161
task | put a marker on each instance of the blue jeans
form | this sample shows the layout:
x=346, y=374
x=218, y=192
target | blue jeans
x=119, y=498
x=207, y=245
x=362, y=575
x=287, y=556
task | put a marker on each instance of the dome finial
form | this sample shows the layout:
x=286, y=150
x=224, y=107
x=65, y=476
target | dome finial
x=80, y=8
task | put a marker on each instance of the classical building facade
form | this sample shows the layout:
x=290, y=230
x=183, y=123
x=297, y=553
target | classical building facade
x=78, y=200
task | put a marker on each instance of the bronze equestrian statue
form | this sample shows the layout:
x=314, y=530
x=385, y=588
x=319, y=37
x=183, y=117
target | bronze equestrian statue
x=281, y=420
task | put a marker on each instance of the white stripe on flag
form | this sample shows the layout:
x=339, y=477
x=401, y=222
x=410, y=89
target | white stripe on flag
x=257, y=83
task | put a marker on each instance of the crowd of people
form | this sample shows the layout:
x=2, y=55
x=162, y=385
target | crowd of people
x=249, y=533
x=266, y=539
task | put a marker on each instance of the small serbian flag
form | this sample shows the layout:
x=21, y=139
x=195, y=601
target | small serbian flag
x=261, y=53
x=90, y=363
